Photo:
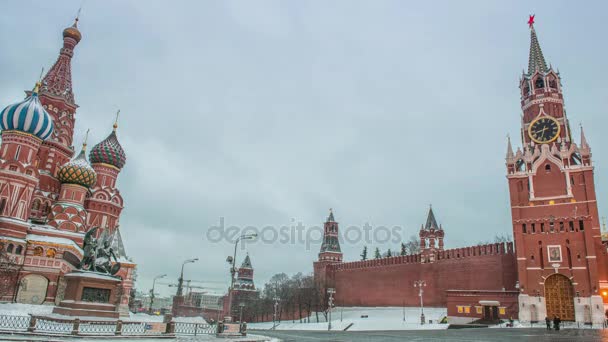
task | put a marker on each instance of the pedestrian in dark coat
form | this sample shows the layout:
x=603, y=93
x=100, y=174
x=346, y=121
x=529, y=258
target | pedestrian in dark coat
x=556, y=322
x=548, y=321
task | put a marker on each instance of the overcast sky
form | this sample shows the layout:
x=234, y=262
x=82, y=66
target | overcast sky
x=271, y=112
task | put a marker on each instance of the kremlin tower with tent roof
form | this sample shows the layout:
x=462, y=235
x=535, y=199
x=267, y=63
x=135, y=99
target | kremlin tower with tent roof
x=49, y=198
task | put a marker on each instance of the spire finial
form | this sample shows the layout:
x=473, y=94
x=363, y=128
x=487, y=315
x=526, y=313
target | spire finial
x=77, y=18
x=531, y=20
x=510, y=153
x=116, y=121
x=584, y=143
x=86, y=137
x=39, y=82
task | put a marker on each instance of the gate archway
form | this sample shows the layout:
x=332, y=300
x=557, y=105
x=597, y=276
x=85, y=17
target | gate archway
x=32, y=289
x=559, y=295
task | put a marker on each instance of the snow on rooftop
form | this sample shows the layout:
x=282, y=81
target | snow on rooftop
x=53, y=239
x=8, y=238
x=94, y=275
x=46, y=228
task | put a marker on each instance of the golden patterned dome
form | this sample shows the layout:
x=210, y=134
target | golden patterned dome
x=77, y=171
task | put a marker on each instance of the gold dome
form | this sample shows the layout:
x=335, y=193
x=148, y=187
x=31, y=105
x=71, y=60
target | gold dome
x=73, y=32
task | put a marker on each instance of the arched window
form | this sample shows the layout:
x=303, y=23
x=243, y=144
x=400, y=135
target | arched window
x=50, y=253
x=552, y=83
x=19, y=250
x=539, y=83
x=548, y=167
x=10, y=247
x=36, y=205
x=38, y=251
x=520, y=166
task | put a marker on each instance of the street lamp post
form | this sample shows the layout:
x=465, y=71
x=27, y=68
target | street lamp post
x=180, y=281
x=152, y=291
x=330, y=302
x=420, y=284
x=232, y=262
x=241, y=306
x=274, y=317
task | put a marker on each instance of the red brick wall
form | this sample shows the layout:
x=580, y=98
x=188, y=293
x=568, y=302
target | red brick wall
x=389, y=281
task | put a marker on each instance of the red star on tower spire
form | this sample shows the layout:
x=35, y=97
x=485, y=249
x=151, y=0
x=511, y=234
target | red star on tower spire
x=531, y=20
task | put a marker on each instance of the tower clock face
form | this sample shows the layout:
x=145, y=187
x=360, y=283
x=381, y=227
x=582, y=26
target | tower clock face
x=544, y=130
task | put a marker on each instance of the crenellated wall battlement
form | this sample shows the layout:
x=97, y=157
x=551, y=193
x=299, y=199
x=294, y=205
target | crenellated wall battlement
x=456, y=253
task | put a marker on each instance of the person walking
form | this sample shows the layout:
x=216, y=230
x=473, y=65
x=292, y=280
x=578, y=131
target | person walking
x=548, y=322
x=556, y=322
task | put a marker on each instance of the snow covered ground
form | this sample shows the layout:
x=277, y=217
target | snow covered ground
x=15, y=309
x=378, y=318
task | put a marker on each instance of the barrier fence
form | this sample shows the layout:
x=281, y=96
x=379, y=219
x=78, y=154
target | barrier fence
x=48, y=325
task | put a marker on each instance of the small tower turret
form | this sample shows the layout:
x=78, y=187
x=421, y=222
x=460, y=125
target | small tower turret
x=25, y=125
x=106, y=203
x=431, y=238
x=76, y=177
x=330, y=248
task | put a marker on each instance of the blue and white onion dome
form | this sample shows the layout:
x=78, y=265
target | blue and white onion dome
x=28, y=116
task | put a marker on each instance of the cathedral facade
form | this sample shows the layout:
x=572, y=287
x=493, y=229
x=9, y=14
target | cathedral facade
x=558, y=263
x=51, y=193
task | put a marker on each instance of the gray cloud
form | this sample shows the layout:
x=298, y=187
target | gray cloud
x=271, y=111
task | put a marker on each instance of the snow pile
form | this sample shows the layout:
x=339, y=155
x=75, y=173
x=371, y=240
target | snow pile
x=378, y=318
x=17, y=309
x=143, y=317
x=190, y=320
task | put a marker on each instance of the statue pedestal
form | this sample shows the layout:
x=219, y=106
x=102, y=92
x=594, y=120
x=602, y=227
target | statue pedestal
x=89, y=294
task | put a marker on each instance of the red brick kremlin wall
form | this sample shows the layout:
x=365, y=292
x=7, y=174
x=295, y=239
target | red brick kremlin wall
x=390, y=281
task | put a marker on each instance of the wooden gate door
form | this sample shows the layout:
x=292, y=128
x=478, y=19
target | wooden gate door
x=559, y=295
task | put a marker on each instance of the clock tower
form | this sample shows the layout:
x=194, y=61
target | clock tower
x=560, y=259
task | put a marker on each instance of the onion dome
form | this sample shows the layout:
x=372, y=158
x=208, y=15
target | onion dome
x=28, y=116
x=78, y=171
x=109, y=151
x=72, y=32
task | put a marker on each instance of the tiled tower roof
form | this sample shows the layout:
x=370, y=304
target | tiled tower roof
x=58, y=81
x=536, y=61
x=431, y=222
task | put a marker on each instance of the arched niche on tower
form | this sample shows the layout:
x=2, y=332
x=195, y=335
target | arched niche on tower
x=549, y=179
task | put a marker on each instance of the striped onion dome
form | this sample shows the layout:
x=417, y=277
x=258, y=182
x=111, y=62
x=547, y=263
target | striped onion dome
x=109, y=151
x=77, y=171
x=28, y=116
